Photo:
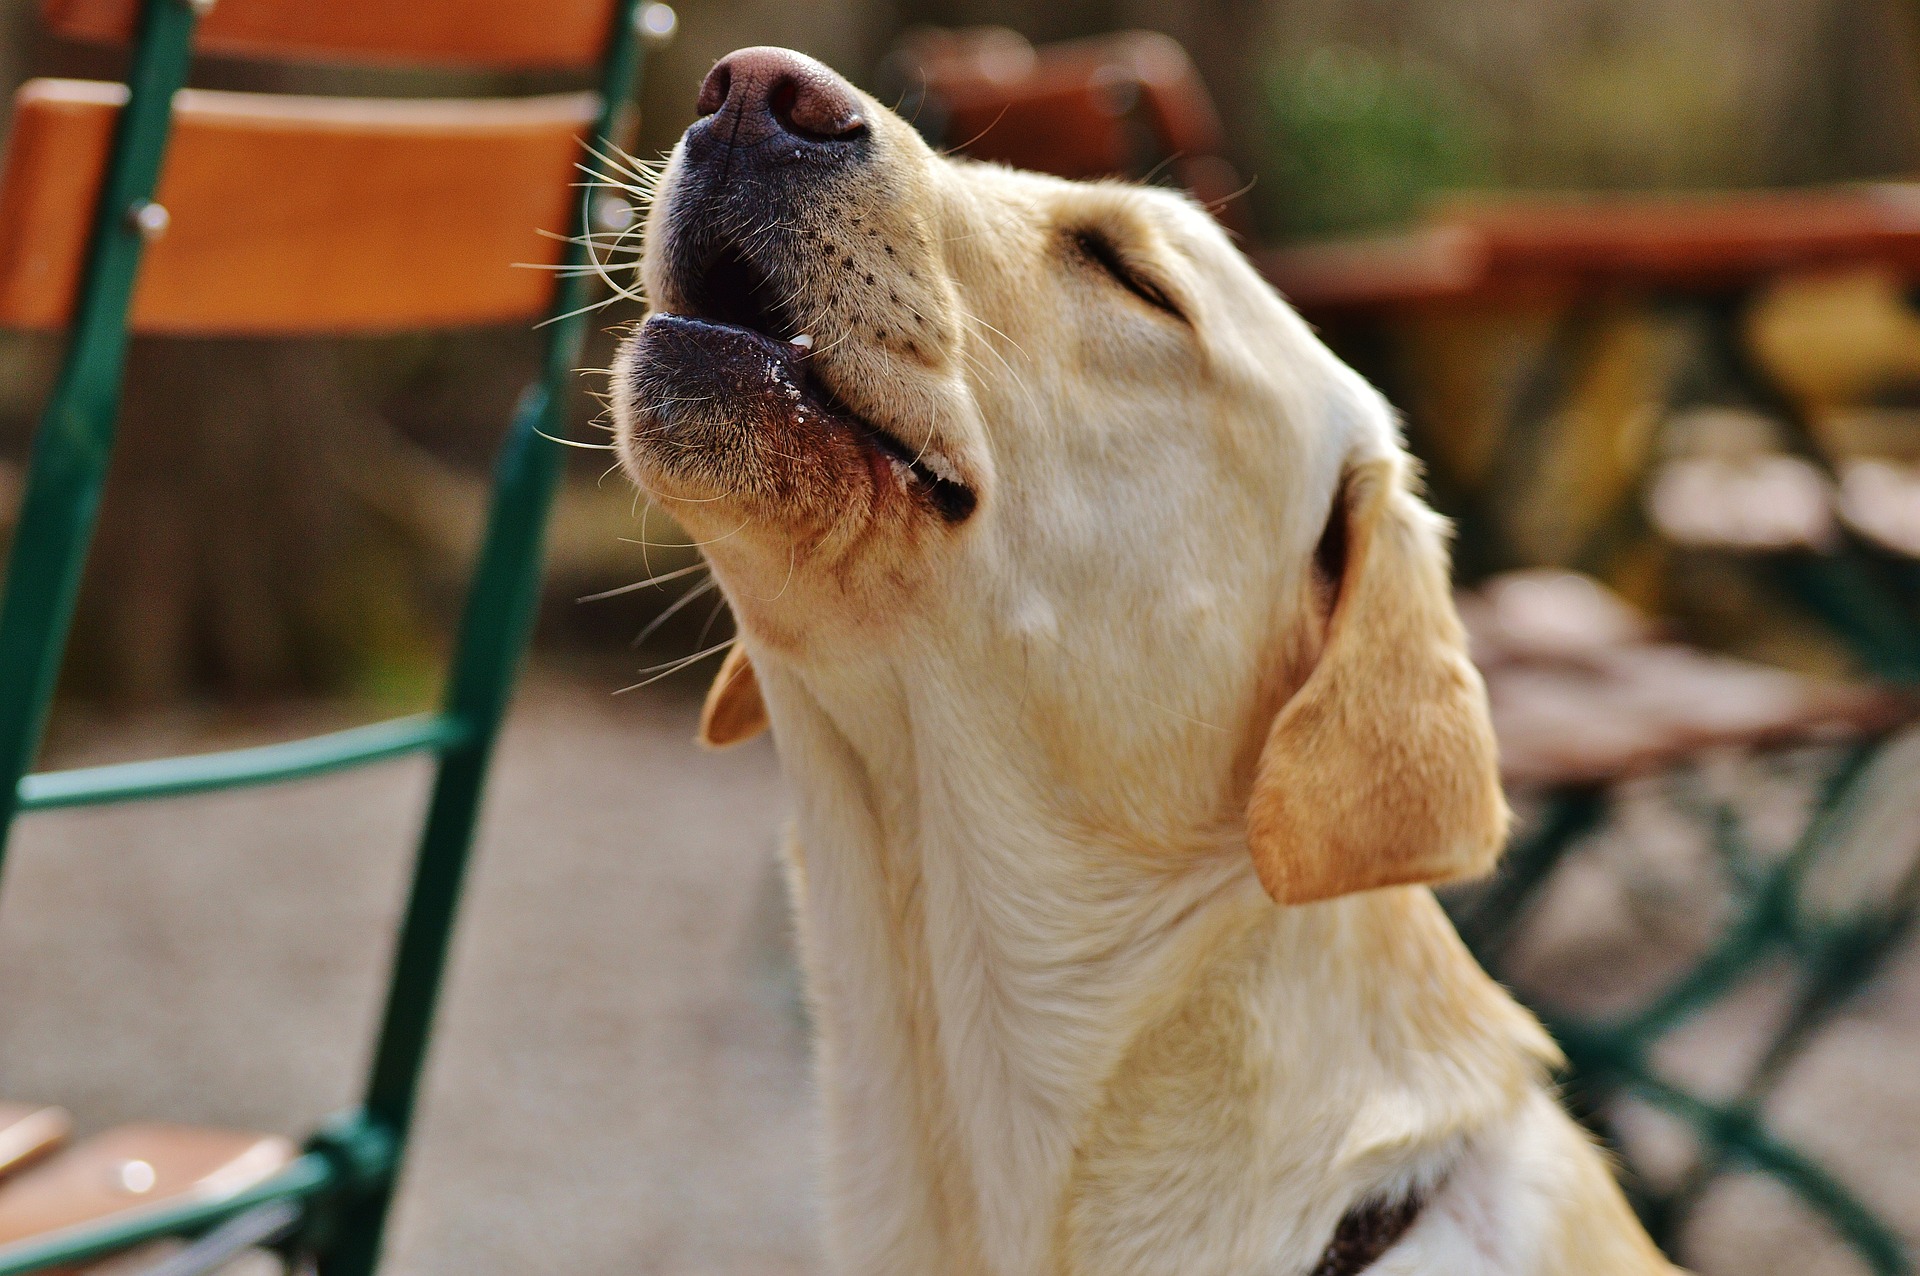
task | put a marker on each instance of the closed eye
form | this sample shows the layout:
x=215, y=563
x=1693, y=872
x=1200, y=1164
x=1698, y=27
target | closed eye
x=1100, y=251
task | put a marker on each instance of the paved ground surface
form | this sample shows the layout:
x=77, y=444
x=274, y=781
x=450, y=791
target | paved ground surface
x=619, y=1086
x=619, y=1083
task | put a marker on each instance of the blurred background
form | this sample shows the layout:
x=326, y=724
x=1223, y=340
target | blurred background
x=1640, y=273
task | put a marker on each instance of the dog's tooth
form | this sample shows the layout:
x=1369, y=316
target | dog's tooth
x=804, y=341
x=942, y=468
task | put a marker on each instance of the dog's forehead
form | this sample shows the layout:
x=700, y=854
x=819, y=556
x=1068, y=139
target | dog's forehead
x=1041, y=201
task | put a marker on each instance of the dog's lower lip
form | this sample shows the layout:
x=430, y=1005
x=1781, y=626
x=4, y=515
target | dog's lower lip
x=931, y=473
x=953, y=498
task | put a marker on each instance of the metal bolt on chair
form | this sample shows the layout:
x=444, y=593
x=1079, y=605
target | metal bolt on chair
x=150, y=207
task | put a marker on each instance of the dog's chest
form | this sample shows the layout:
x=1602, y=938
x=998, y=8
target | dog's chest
x=977, y=995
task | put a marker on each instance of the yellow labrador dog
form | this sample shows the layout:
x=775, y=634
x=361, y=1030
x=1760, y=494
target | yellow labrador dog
x=1111, y=657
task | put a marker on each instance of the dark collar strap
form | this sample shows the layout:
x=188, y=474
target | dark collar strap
x=1368, y=1230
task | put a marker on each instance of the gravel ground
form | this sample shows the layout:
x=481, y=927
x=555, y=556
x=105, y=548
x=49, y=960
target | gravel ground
x=619, y=1083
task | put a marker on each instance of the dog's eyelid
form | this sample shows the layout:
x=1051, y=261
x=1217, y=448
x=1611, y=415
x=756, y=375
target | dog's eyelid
x=1097, y=247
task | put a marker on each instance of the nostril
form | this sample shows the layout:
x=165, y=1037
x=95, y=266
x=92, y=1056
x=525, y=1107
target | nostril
x=780, y=101
x=715, y=89
x=765, y=90
x=813, y=111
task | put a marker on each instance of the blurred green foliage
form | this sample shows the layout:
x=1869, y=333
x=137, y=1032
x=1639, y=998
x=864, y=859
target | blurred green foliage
x=1357, y=141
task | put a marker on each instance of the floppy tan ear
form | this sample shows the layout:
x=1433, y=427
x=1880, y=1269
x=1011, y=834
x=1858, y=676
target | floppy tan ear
x=1382, y=769
x=734, y=710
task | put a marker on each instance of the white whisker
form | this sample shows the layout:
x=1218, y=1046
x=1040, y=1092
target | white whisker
x=661, y=579
x=690, y=544
x=676, y=666
x=584, y=447
x=673, y=609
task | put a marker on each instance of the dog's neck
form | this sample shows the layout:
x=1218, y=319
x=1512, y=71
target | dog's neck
x=990, y=971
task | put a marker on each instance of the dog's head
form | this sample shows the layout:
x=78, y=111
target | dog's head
x=1055, y=451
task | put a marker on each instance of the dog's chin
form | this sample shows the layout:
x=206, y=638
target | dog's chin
x=721, y=413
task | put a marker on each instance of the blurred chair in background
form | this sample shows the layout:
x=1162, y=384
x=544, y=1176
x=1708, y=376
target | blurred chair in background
x=1668, y=430
x=1125, y=105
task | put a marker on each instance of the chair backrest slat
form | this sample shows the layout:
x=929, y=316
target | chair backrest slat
x=300, y=215
x=496, y=33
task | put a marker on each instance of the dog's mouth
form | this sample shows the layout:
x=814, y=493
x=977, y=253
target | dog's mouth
x=729, y=299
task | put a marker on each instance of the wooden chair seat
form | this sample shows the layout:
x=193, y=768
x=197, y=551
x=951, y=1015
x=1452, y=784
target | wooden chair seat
x=1767, y=502
x=1880, y=499
x=289, y=214
x=1778, y=502
x=1582, y=692
x=134, y=1167
x=29, y=1131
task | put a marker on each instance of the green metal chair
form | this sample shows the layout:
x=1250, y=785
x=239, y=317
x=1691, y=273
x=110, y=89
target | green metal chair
x=1780, y=922
x=149, y=142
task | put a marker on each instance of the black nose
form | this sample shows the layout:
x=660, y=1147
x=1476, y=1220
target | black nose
x=766, y=93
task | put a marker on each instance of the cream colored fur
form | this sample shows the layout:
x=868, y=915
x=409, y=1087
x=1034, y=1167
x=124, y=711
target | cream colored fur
x=1063, y=1029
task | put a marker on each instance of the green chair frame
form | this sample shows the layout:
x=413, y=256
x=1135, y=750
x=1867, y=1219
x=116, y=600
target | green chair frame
x=1833, y=957
x=1870, y=599
x=334, y=1197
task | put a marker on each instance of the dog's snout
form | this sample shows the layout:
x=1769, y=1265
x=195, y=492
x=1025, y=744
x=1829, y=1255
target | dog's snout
x=764, y=93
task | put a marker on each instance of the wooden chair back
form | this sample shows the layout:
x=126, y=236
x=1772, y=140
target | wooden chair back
x=1122, y=105
x=496, y=33
x=288, y=214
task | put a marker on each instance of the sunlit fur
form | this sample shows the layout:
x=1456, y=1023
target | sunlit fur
x=1063, y=1029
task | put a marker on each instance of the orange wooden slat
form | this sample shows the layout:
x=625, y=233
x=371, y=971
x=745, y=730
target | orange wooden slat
x=501, y=33
x=1500, y=250
x=300, y=215
x=1427, y=265
x=1695, y=242
x=135, y=1167
x=28, y=1131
